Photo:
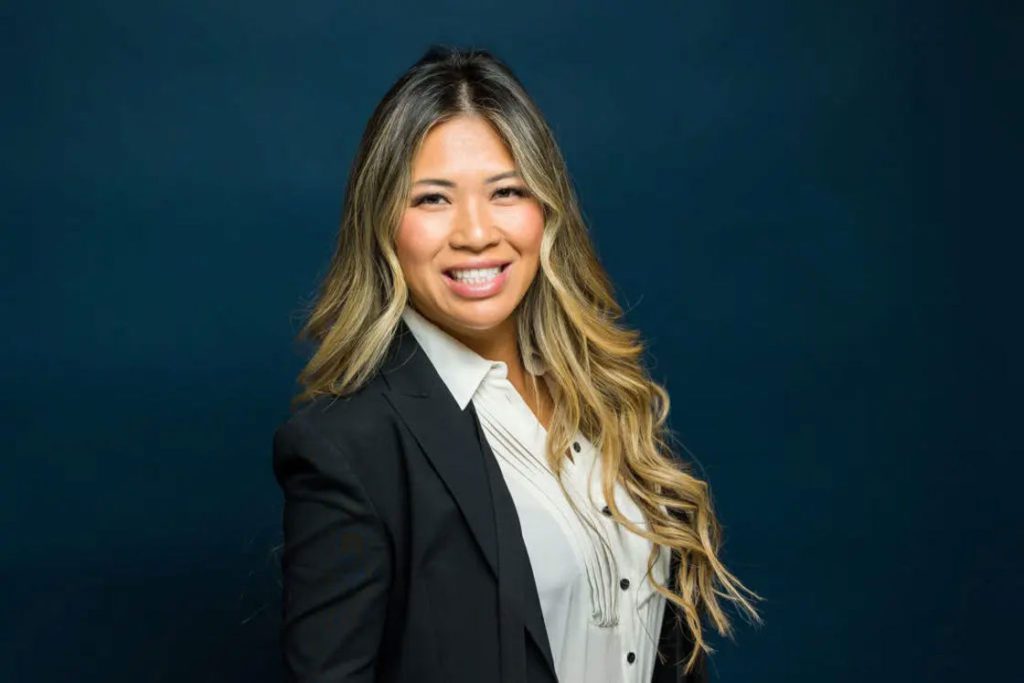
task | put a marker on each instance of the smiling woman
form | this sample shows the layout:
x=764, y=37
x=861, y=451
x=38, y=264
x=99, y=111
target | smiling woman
x=470, y=253
x=494, y=497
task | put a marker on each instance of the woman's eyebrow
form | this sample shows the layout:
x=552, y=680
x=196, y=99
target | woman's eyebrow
x=448, y=183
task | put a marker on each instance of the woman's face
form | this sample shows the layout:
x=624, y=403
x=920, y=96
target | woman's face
x=467, y=207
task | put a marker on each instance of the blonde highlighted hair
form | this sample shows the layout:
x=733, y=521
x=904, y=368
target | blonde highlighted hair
x=568, y=316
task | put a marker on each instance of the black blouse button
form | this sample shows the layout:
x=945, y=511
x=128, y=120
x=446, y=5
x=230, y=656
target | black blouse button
x=606, y=510
x=624, y=584
x=630, y=657
x=576, y=446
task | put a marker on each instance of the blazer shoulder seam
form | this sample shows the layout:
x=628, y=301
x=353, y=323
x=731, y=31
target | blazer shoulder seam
x=303, y=426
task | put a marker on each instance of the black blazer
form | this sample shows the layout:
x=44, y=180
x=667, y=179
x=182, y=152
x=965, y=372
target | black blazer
x=403, y=555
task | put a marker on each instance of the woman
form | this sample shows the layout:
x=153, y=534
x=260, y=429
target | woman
x=441, y=522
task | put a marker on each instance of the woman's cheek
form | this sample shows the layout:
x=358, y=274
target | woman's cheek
x=415, y=238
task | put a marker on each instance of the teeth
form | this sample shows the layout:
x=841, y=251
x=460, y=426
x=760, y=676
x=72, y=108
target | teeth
x=475, y=275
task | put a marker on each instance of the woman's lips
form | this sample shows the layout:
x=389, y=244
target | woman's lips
x=485, y=265
x=469, y=290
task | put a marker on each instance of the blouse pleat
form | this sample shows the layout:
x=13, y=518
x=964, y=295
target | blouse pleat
x=590, y=538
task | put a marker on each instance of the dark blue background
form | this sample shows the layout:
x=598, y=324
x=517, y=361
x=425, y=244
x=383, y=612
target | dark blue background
x=810, y=209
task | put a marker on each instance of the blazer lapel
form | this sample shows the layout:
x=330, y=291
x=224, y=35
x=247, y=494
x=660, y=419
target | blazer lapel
x=455, y=445
x=516, y=571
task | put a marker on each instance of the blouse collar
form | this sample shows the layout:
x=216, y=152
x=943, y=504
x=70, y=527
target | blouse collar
x=461, y=368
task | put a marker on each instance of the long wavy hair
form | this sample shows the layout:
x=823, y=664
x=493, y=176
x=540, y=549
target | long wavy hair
x=568, y=316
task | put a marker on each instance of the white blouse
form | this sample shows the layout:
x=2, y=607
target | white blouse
x=602, y=617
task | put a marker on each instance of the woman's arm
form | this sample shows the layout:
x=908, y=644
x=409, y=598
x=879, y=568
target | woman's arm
x=336, y=564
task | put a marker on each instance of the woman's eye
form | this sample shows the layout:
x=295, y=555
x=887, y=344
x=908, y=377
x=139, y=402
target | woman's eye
x=517, y=191
x=424, y=199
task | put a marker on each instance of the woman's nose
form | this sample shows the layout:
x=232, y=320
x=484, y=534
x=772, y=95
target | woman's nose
x=474, y=226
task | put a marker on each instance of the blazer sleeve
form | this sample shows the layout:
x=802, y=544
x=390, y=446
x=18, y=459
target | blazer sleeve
x=336, y=565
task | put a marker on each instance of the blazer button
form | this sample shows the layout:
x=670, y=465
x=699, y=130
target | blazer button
x=606, y=510
x=630, y=657
x=624, y=584
x=576, y=446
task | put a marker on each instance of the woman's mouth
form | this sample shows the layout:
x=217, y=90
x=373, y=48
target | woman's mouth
x=477, y=283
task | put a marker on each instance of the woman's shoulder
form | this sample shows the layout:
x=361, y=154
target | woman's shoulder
x=360, y=428
x=344, y=445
